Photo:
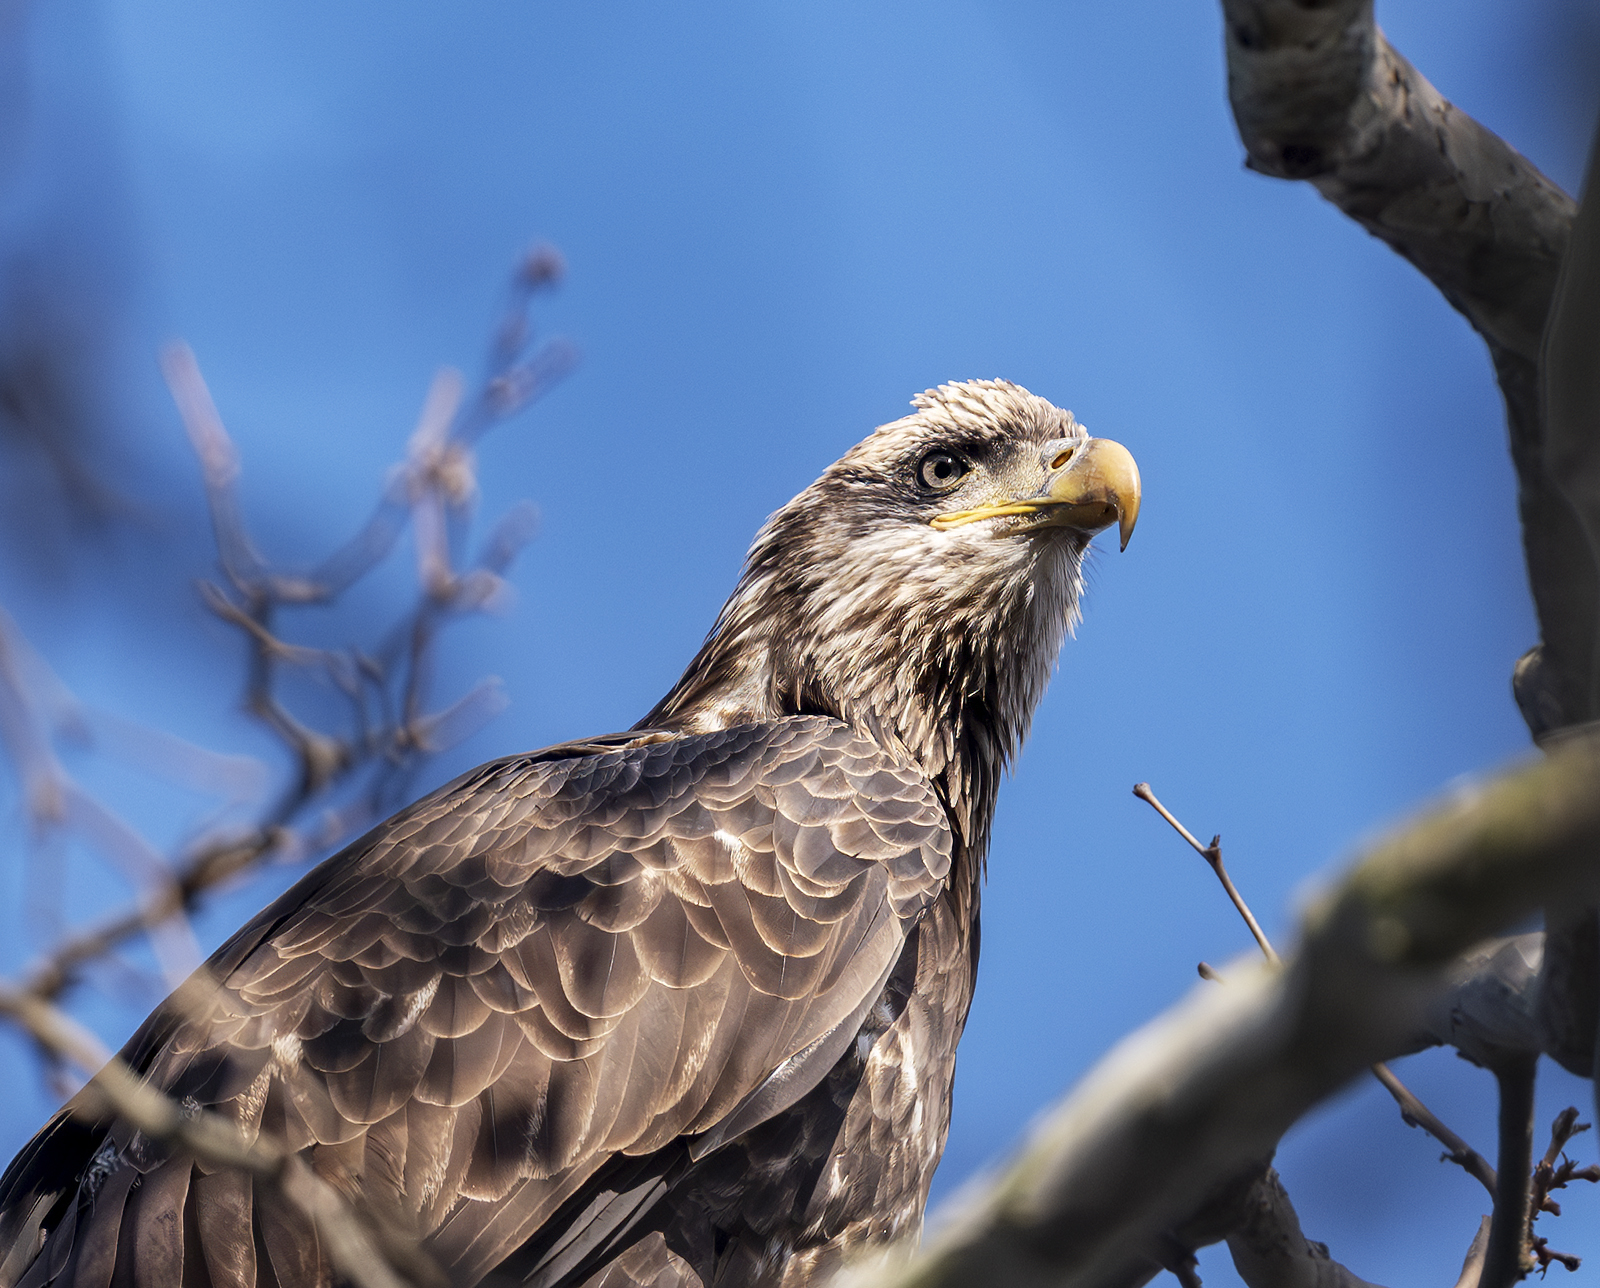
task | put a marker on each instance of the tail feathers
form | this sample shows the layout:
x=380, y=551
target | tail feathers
x=647, y=1264
x=171, y=1226
x=224, y=1224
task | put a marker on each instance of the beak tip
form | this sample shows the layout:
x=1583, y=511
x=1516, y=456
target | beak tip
x=1125, y=521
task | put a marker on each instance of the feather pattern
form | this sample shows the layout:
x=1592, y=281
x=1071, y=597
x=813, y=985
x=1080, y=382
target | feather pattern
x=671, y=1008
x=576, y=1040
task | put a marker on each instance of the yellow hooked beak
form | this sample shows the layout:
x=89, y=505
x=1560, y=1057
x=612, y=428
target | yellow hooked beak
x=1090, y=487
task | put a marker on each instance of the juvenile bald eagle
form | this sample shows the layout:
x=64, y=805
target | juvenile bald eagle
x=671, y=1007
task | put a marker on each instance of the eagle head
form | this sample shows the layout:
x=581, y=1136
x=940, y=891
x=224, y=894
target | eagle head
x=921, y=588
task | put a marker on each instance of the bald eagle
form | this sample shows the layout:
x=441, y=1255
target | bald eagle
x=670, y=1007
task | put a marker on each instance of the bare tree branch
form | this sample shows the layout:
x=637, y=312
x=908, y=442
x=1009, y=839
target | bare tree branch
x=1417, y=1114
x=24, y=738
x=1569, y=1005
x=1269, y=1249
x=1212, y=854
x=1183, y=1106
x=391, y=726
x=1555, y=1171
x=1507, y=1259
x=1472, y=1267
x=1412, y=1110
x=1319, y=94
x=1571, y=383
x=219, y=465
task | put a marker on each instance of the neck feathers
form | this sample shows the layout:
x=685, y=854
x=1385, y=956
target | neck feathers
x=941, y=659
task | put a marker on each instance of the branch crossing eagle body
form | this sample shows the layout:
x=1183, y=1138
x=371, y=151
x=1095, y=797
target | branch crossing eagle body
x=674, y=1007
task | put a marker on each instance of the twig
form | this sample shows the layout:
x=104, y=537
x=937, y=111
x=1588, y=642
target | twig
x=1508, y=1258
x=1412, y=1111
x=1212, y=854
x=1181, y=1107
x=1549, y=1174
x=1417, y=1114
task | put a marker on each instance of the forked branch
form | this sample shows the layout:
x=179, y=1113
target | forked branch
x=1412, y=1110
x=1186, y=1104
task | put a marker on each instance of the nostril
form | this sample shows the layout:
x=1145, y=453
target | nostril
x=1061, y=459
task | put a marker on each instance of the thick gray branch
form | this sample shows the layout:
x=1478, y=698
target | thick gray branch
x=1319, y=94
x=1489, y=1011
x=1270, y=1250
x=1192, y=1102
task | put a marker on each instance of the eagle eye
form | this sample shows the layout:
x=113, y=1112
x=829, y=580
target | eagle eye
x=938, y=471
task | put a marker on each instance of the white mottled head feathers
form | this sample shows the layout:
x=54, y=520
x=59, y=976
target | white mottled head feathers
x=852, y=604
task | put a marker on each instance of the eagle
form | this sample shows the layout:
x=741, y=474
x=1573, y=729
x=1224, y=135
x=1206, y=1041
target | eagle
x=675, y=1007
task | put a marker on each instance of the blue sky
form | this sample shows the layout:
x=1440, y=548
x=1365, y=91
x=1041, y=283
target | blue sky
x=781, y=221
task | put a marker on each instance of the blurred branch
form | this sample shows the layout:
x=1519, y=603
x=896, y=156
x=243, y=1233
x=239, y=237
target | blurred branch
x=1181, y=1107
x=390, y=725
x=390, y=728
x=23, y=736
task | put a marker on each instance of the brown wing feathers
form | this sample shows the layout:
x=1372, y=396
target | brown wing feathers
x=549, y=964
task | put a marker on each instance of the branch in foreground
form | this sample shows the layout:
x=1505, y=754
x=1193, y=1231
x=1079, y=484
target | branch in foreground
x=1268, y=1247
x=1187, y=1104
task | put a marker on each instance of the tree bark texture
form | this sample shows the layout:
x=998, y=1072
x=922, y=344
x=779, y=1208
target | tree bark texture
x=1320, y=95
x=1271, y=1251
x=1506, y=1260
